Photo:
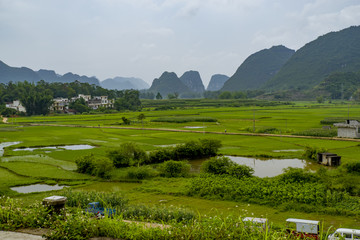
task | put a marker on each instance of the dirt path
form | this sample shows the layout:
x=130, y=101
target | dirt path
x=4, y=119
x=5, y=235
x=203, y=132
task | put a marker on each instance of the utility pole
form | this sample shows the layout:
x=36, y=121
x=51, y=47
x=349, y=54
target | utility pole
x=253, y=120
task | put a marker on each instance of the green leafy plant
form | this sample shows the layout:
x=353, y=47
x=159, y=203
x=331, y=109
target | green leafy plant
x=174, y=169
x=141, y=172
x=312, y=152
x=128, y=154
x=217, y=165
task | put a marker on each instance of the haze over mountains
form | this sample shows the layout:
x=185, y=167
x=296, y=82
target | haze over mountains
x=217, y=82
x=15, y=74
x=121, y=83
x=275, y=69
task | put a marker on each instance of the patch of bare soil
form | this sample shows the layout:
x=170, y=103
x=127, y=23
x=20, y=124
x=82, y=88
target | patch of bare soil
x=4, y=119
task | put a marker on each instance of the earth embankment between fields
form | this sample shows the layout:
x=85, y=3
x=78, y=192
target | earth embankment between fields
x=202, y=132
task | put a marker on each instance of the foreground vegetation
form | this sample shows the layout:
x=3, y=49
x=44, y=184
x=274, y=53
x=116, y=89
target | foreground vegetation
x=177, y=225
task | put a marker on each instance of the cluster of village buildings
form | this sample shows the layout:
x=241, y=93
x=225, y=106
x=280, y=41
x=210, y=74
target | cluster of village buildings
x=62, y=104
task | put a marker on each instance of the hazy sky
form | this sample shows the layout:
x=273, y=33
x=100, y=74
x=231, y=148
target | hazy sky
x=144, y=38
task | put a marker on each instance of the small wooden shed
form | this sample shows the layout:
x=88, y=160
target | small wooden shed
x=329, y=159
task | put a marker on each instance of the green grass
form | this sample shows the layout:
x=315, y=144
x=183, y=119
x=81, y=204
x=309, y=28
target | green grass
x=42, y=171
x=9, y=179
x=296, y=118
x=66, y=165
x=184, y=119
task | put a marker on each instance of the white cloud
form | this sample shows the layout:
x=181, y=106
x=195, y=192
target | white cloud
x=162, y=31
x=314, y=19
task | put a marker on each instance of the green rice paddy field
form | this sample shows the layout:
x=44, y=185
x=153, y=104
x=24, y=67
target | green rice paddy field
x=105, y=132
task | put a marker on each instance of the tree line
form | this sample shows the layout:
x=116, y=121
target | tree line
x=38, y=97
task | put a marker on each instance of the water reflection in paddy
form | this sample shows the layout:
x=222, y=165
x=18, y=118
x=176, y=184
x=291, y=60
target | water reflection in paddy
x=6, y=144
x=66, y=147
x=37, y=188
x=262, y=167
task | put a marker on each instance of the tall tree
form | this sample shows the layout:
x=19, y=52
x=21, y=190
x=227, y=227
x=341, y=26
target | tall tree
x=158, y=96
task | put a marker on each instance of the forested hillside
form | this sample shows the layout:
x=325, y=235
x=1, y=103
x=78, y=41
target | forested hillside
x=258, y=68
x=340, y=86
x=311, y=64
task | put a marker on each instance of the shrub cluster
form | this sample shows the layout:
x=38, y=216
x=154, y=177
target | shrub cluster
x=353, y=167
x=100, y=167
x=128, y=154
x=293, y=186
x=189, y=150
x=224, y=165
x=298, y=175
x=174, y=169
x=312, y=152
x=268, y=130
x=141, y=172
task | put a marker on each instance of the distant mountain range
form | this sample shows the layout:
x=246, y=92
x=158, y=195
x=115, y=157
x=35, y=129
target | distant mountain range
x=121, y=83
x=258, y=68
x=217, y=82
x=15, y=74
x=327, y=65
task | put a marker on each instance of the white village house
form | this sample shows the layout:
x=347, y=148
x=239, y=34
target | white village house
x=348, y=129
x=100, y=101
x=16, y=105
x=62, y=104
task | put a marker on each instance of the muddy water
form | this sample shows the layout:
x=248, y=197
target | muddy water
x=262, y=167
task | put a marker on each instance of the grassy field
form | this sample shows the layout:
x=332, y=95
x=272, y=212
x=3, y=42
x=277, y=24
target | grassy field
x=27, y=167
